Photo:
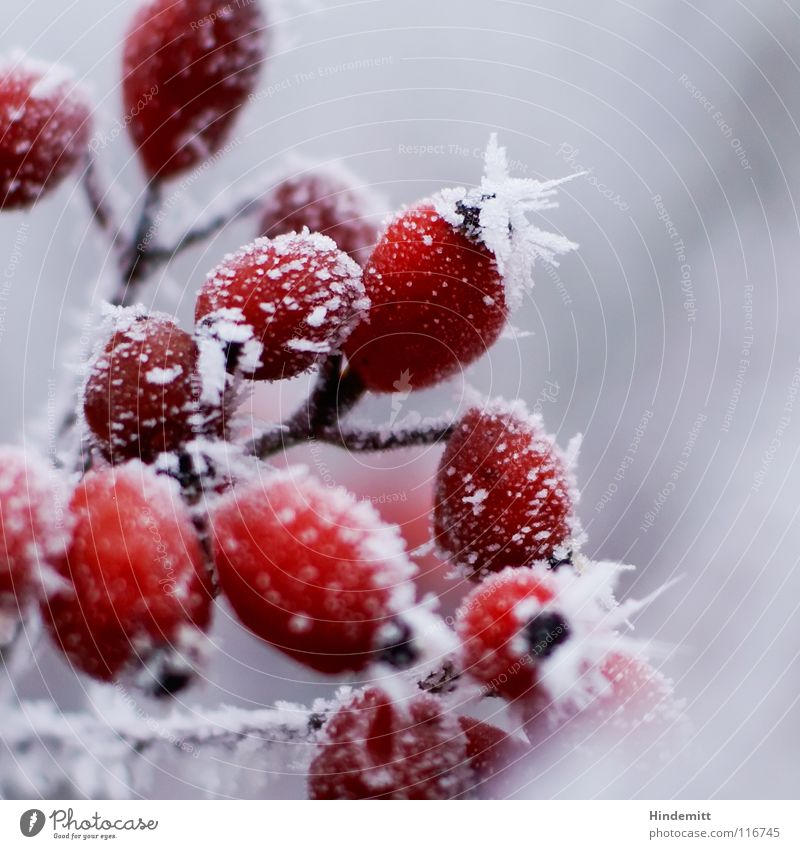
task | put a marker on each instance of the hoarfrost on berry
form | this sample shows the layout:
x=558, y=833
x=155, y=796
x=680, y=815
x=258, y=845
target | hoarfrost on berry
x=187, y=70
x=138, y=589
x=505, y=494
x=325, y=199
x=276, y=304
x=496, y=213
x=311, y=570
x=44, y=128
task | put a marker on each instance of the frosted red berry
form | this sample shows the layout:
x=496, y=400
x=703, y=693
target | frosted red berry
x=636, y=692
x=278, y=305
x=33, y=529
x=438, y=303
x=143, y=392
x=324, y=202
x=138, y=589
x=507, y=626
x=44, y=129
x=188, y=67
x=376, y=748
x=489, y=749
x=503, y=492
x=311, y=570
x=483, y=742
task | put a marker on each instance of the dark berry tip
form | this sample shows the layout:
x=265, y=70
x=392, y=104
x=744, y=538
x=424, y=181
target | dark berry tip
x=442, y=680
x=165, y=674
x=555, y=563
x=400, y=652
x=545, y=632
x=316, y=721
x=171, y=683
x=470, y=211
x=233, y=353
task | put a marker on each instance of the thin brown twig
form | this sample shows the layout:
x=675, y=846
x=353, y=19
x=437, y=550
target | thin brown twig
x=355, y=439
x=99, y=204
x=334, y=394
x=160, y=255
x=133, y=266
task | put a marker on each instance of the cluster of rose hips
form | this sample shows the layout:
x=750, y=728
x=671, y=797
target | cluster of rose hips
x=171, y=508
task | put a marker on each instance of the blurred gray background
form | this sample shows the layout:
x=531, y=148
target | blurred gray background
x=672, y=335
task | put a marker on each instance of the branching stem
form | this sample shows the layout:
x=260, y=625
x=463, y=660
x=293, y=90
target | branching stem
x=354, y=439
x=133, y=266
x=103, y=214
x=334, y=394
x=160, y=255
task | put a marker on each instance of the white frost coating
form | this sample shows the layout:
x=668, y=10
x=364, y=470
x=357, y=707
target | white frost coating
x=569, y=459
x=317, y=316
x=573, y=451
x=52, y=83
x=212, y=368
x=476, y=500
x=217, y=461
x=571, y=675
x=308, y=346
x=514, y=333
x=163, y=376
x=433, y=639
x=117, y=751
x=276, y=284
x=250, y=355
x=54, y=79
x=504, y=203
x=229, y=325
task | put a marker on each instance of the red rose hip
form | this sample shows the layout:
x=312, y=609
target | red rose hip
x=34, y=532
x=376, y=748
x=277, y=305
x=490, y=749
x=445, y=274
x=139, y=592
x=507, y=626
x=143, y=392
x=636, y=693
x=188, y=66
x=438, y=303
x=327, y=202
x=311, y=570
x=44, y=129
x=504, y=492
